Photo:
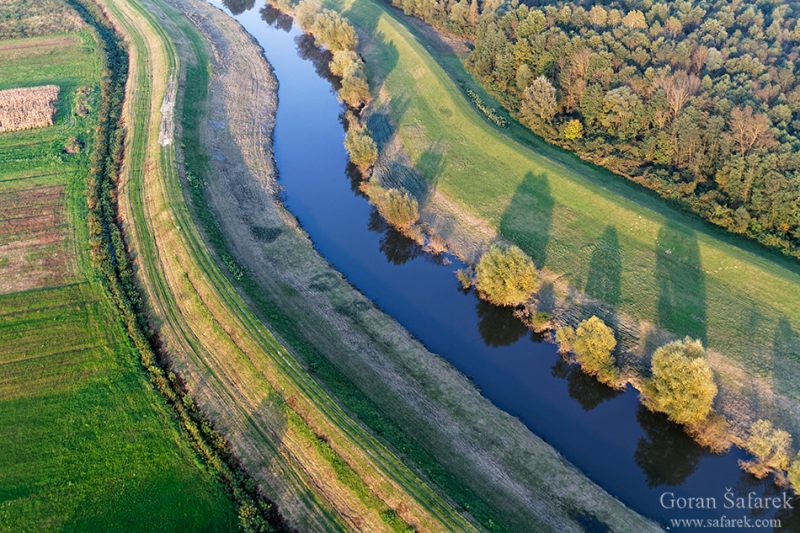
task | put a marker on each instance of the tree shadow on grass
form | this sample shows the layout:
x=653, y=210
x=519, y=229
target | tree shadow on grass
x=786, y=362
x=381, y=55
x=681, y=282
x=527, y=219
x=605, y=268
x=665, y=454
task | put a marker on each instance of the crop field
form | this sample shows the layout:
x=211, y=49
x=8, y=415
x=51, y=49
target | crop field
x=609, y=239
x=87, y=442
x=28, y=108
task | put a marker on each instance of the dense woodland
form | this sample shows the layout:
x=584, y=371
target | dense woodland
x=698, y=100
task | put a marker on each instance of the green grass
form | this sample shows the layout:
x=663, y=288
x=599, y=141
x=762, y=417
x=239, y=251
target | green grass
x=87, y=442
x=610, y=238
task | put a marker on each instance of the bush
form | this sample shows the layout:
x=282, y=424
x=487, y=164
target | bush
x=572, y=130
x=794, y=474
x=682, y=384
x=506, y=276
x=362, y=149
x=770, y=446
x=565, y=337
x=344, y=62
x=594, y=342
x=399, y=208
x=355, y=90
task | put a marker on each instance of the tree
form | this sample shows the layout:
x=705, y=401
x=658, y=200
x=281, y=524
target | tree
x=538, y=101
x=749, y=130
x=770, y=446
x=794, y=473
x=593, y=346
x=473, y=13
x=572, y=130
x=635, y=20
x=505, y=276
x=682, y=383
x=678, y=88
x=399, y=208
x=361, y=147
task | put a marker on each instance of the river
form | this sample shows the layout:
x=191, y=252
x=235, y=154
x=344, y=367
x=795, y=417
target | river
x=637, y=456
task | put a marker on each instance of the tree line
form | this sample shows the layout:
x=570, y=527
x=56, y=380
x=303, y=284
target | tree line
x=698, y=100
x=681, y=383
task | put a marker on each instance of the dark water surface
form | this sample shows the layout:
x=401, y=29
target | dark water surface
x=635, y=455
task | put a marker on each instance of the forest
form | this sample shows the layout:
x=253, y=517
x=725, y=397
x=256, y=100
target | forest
x=697, y=100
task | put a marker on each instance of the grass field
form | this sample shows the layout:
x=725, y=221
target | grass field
x=610, y=239
x=87, y=442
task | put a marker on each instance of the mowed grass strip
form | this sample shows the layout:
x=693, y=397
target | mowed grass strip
x=612, y=240
x=87, y=442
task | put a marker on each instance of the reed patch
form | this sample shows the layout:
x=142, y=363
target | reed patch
x=28, y=108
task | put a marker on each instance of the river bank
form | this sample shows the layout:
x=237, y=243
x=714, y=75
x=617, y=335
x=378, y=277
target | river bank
x=442, y=414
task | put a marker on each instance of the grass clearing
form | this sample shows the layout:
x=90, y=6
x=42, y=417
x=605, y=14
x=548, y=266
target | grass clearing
x=609, y=239
x=87, y=443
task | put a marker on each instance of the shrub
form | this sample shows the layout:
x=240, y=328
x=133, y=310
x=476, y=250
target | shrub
x=771, y=447
x=572, y=130
x=682, y=383
x=355, y=90
x=505, y=276
x=344, y=62
x=362, y=149
x=794, y=473
x=594, y=342
x=399, y=208
x=565, y=337
x=73, y=145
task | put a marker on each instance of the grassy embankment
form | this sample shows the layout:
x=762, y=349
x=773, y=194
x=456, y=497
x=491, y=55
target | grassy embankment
x=650, y=264
x=87, y=443
x=324, y=469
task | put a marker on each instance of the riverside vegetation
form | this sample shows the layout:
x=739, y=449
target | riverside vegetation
x=684, y=401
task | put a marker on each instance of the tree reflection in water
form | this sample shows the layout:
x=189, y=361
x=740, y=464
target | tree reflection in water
x=237, y=7
x=582, y=387
x=498, y=326
x=666, y=454
x=276, y=18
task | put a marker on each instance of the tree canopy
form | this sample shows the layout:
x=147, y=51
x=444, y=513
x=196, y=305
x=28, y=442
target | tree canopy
x=682, y=383
x=506, y=276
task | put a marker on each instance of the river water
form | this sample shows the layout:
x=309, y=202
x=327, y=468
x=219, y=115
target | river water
x=637, y=456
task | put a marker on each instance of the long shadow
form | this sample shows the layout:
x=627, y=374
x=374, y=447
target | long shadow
x=786, y=361
x=605, y=268
x=381, y=56
x=237, y=7
x=665, y=454
x=681, y=282
x=528, y=217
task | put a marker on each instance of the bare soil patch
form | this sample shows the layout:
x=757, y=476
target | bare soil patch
x=34, y=251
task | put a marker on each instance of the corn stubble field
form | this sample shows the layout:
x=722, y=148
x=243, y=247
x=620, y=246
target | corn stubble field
x=28, y=108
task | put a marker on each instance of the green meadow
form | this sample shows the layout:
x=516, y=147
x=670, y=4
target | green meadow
x=88, y=444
